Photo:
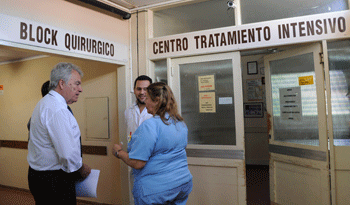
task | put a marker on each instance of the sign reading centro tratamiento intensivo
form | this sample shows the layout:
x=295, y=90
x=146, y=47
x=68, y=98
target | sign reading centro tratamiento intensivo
x=263, y=34
x=28, y=32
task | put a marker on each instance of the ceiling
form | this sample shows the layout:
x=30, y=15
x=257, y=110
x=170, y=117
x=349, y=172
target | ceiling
x=134, y=4
x=9, y=54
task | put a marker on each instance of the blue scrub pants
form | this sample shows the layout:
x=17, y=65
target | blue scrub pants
x=177, y=196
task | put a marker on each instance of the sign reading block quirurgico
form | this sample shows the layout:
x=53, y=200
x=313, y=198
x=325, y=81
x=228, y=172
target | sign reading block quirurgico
x=28, y=32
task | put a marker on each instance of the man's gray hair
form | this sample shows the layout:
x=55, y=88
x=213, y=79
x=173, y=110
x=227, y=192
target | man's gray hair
x=62, y=71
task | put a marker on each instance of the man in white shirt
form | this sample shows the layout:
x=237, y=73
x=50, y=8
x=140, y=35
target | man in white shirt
x=136, y=114
x=54, y=148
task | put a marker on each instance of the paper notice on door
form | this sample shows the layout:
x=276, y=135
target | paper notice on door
x=306, y=80
x=225, y=101
x=290, y=103
x=206, y=82
x=207, y=102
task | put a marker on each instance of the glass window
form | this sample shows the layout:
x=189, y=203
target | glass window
x=209, y=123
x=160, y=71
x=339, y=71
x=299, y=128
x=192, y=17
x=258, y=11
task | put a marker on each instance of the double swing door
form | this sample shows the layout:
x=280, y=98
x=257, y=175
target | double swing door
x=307, y=97
x=307, y=93
x=298, y=144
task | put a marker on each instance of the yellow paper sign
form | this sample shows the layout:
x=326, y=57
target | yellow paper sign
x=306, y=80
x=206, y=82
x=207, y=102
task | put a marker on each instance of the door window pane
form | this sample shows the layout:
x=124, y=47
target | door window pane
x=160, y=71
x=207, y=102
x=339, y=70
x=294, y=107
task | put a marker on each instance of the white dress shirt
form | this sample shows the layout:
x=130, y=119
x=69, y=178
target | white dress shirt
x=54, y=136
x=134, y=118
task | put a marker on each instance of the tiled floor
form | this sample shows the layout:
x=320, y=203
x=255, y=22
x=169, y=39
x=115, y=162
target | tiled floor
x=258, y=192
x=257, y=189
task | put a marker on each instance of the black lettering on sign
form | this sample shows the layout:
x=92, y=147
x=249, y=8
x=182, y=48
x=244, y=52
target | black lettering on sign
x=23, y=31
x=172, y=45
x=80, y=43
x=311, y=28
x=341, y=24
x=38, y=34
x=243, y=36
x=267, y=33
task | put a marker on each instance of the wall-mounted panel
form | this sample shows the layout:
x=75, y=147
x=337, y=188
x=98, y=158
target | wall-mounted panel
x=97, y=118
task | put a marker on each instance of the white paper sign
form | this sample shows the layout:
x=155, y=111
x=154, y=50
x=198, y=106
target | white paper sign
x=88, y=187
x=290, y=103
x=225, y=100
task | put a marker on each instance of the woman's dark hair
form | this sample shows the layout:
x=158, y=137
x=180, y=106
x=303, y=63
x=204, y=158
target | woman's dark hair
x=45, y=88
x=162, y=93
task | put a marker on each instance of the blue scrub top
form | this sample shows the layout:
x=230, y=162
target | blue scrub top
x=163, y=148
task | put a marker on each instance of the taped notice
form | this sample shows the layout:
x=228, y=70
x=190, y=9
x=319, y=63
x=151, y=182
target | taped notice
x=206, y=82
x=290, y=103
x=306, y=80
x=207, y=102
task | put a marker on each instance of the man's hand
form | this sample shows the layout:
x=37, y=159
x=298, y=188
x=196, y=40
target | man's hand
x=85, y=170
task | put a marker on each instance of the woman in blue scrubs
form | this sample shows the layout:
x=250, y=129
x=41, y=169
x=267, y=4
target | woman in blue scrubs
x=156, y=152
